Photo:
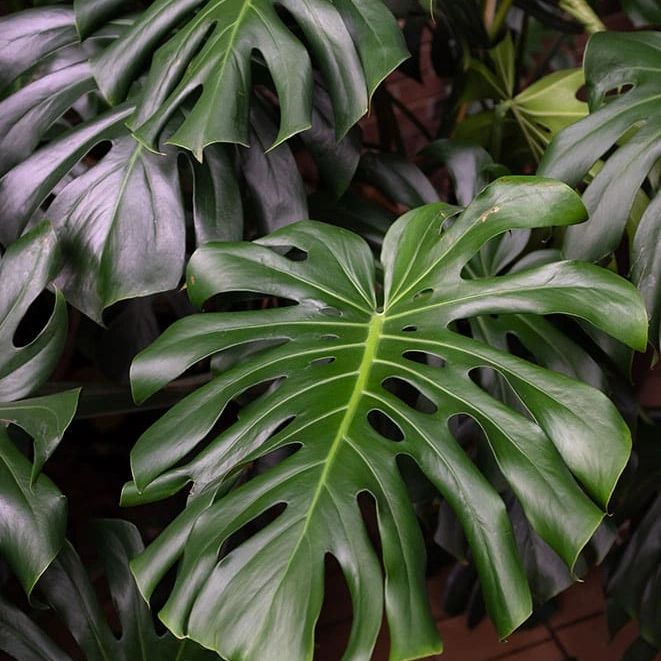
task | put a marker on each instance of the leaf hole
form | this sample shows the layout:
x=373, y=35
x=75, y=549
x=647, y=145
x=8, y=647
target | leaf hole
x=617, y=91
x=292, y=253
x=329, y=337
x=409, y=329
x=34, y=320
x=336, y=607
x=385, y=425
x=497, y=385
x=280, y=452
x=323, y=361
x=409, y=394
x=423, y=294
x=252, y=528
x=424, y=358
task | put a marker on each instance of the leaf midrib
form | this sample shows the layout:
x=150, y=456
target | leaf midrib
x=374, y=330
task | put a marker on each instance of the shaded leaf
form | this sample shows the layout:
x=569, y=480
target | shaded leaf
x=629, y=124
x=67, y=589
x=25, y=269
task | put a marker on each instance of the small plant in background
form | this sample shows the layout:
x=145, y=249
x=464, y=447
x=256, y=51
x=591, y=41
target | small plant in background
x=443, y=356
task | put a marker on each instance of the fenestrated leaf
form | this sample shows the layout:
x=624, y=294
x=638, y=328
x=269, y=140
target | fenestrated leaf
x=212, y=47
x=67, y=589
x=25, y=187
x=33, y=510
x=25, y=270
x=330, y=360
x=612, y=60
x=56, y=84
x=27, y=114
x=630, y=123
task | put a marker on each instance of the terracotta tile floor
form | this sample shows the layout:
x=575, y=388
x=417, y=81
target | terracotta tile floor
x=577, y=631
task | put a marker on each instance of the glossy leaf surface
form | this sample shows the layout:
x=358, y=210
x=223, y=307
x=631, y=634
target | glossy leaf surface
x=630, y=125
x=33, y=510
x=211, y=50
x=333, y=359
x=25, y=269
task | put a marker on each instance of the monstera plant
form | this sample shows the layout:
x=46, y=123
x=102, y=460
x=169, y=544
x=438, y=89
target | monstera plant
x=442, y=358
x=336, y=367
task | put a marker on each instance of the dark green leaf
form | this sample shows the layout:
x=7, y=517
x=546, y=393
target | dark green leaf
x=630, y=123
x=45, y=419
x=272, y=177
x=646, y=263
x=121, y=226
x=21, y=638
x=33, y=515
x=636, y=583
x=25, y=270
x=337, y=353
x=400, y=180
x=211, y=49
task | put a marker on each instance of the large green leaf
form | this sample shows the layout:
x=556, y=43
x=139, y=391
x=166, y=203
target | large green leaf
x=343, y=352
x=630, y=125
x=355, y=44
x=67, y=589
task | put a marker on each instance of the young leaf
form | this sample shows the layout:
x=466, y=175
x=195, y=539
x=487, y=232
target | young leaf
x=333, y=359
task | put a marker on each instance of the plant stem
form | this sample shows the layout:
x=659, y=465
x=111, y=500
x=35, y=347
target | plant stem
x=582, y=12
x=499, y=18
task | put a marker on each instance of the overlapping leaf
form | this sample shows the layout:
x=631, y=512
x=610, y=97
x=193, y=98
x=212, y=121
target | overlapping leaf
x=629, y=125
x=539, y=111
x=67, y=589
x=332, y=360
x=355, y=44
x=121, y=221
x=33, y=510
